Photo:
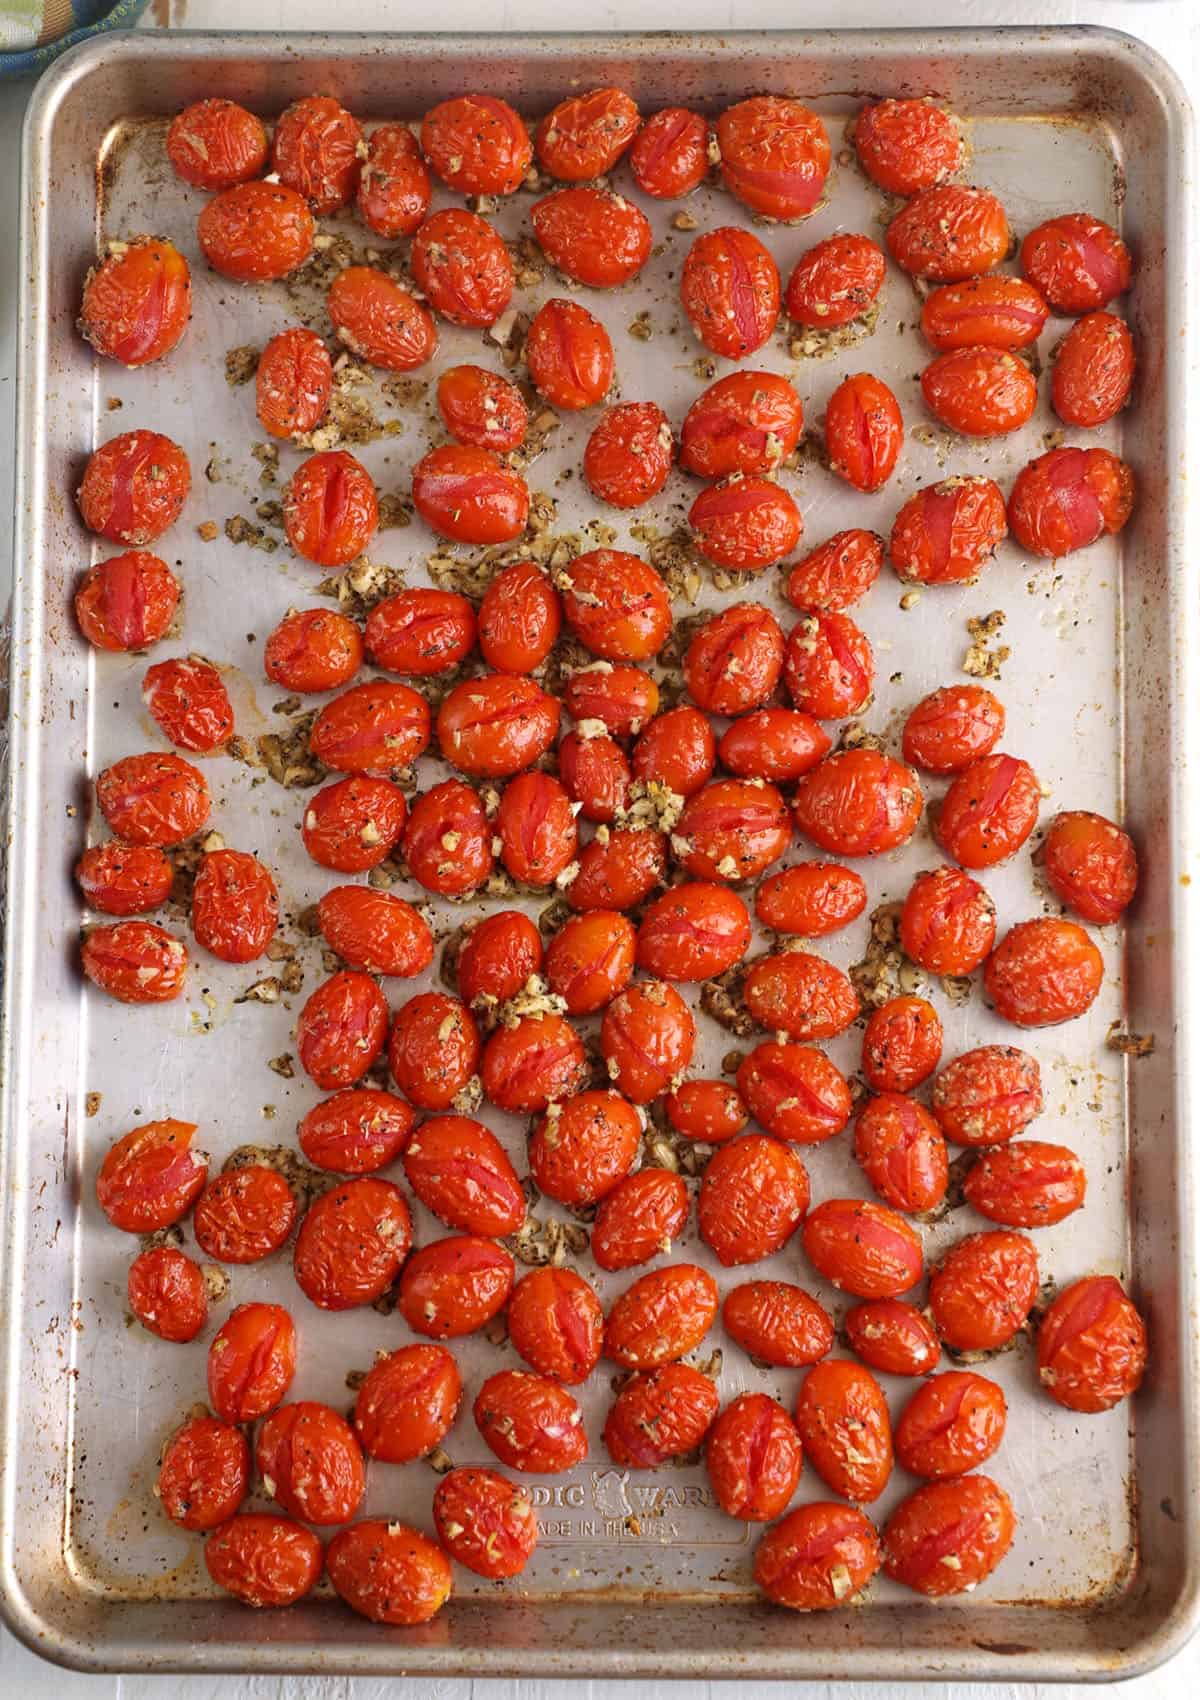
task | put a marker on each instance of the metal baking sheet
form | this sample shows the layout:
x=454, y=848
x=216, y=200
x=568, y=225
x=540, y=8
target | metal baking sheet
x=1100, y=688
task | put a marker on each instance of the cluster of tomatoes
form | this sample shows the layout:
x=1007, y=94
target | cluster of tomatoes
x=684, y=818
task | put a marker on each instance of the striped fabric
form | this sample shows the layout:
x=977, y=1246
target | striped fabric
x=32, y=32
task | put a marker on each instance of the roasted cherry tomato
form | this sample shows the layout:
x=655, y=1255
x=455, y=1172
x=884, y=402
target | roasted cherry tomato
x=677, y=749
x=167, y=1294
x=1093, y=370
x=948, y=1536
x=986, y=1096
x=980, y=392
x=902, y=1044
x=352, y=1243
x=342, y=1029
x=433, y=1050
x=863, y=1248
x=629, y=453
x=538, y=1062
x=953, y=727
x=497, y=958
x=586, y=134
x=617, y=872
x=421, y=631
x=462, y=267
x=902, y=1152
x=776, y=744
x=375, y=931
x=592, y=235
x=150, y=1177
x=312, y=650
x=842, y=1418
x=357, y=1130
x=393, y=187
x=495, y=726
x=707, y=1111
x=745, y=524
x=864, y=431
x=795, y=1092
x=556, y=1324
x=948, y=922
x=753, y=1456
x=983, y=1289
x=984, y=312
x=330, y=509
x=406, y=1403
x=659, y=1415
x=1026, y=1185
x=214, y=143
x=204, y=1475
x=730, y=291
x=907, y=145
x=124, y=879
x=153, y=799
x=264, y=1560
x=639, y=1219
x=459, y=1170
x=858, y=802
x=661, y=1317
x=569, y=356
x=388, y=1572
x=735, y=660
x=810, y=899
x=1043, y=972
x=835, y=282
x=1068, y=498
x=134, y=962
x=137, y=301
x=989, y=811
x=355, y=824
x=819, y=1557
x=774, y=156
x=477, y=144
x=590, y=959
x=778, y=1323
x=244, y=1214
x=134, y=487
x=448, y=841
x=377, y=728
x=316, y=152
x=892, y=1336
x=535, y=825
x=454, y=1286
x=1091, y=1345
x=669, y=156
x=1091, y=865
x=235, y=906
x=947, y=532
x=616, y=604
x=747, y=422
x=800, y=995
x=829, y=667
x=251, y=1362
x=485, y=1522
x=379, y=321
x=310, y=1462
x=753, y=1197
x=256, y=232
x=949, y=233
x=646, y=1038
x=530, y=1422
x=1078, y=262
x=188, y=699
x=519, y=619
x=837, y=573
x=481, y=408
x=126, y=602
x=469, y=495
x=694, y=931
x=622, y=698
x=732, y=829
x=293, y=383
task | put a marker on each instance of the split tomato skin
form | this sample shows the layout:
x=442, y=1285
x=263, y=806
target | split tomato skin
x=639, y=1219
x=379, y=321
x=669, y=156
x=829, y=667
x=519, y=619
x=375, y=931
x=735, y=660
x=1091, y=1345
x=556, y=1325
x=753, y=1456
x=810, y=899
x=989, y=811
x=330, y=509
x=251, y=1362
x=858, y=803
x=835, y=282
x=215, y=143
x=433, y=1050
x=256, y=232
x=953, y=727
x=647, y=1037
x=753, y=1196
x=629, y=454
x=902, y=1044
x=538, y=1062
x=837, y=573
x=530, y=1423
x=204, y=1475
x=620, y=873
x=778, y=1322
x=891, y=1336
x=153, y=799
x=235, y=906
x=454, y=1286
x=586, y=134
x=730, y=290
x=352, y=1243
x=842, y=1419
x=984, y=312
x=967, y=1518
x=1093, y=371
x=497, y=958
x=864, y=431
x=293, y=383
x=1028, y=1184
x=407, y=1403
x=949, y=233
x=356, y=1131
x=311, y=1463
x=983, y=1290
x=126, y=602
x=134, y=961
x=535, y=824
x=1043, y=972
x=124, y=879
x=187, y=698
x=677, y=749
x=469, y=495
x=706, y=1111
x=863, y=1248
x=745, y=524
x=264, y=1560
x=451, y=810
x=953, y=1423
x=795, y=1092
x=460, y=1171
x=244, y=1214
x=592, y=235
x=591, y=959
x=800, y=995
x=313, y=650
x=658, y=1415
x=819, y=1557
x=1091, y=865
x=980, y=392
x=747, y=422
x=986, y=1096
x=902, y=1152
x=616, y=604
x=137, y=302
x=388, y=1572
x=775, y=156
x=661, y=1317
x=579, y=1150
x=693, y=931
x=485, y=1522
x=354, y=824
x=316, y=151
x=342, y=1029
x=134, y=488
x=946, y=533
x=622, y=698
x=495, y=726
x=393, y=187
x=569, y=355
x=167, y=1294
x=1068, y=498
x=732, y=829
x=462, y=268
x=907, y=145
x=948, y=922
x=477, y=144
x=1078, y=262
x=481, y=408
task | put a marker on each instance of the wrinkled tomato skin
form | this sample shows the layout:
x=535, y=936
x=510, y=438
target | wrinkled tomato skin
x=864, y=431
x=519, y=619
x=706, y=1111
x=946, y=533
x=469, y=495
x=186, y=697
x=379, y=321
x=354, y=824
x=352, y=1243
x=778, y=1322
x=891, y=1336
x=137, y=302
x=134, y=961
x=753, y=1197
x=433, y=1050
x=775, y=156
x=745, y=524
x=948, y=922
x=828, y=666
x=342, y=1029
x=747, y=422
x=842, y=1418
x=313, y=650
x=629, y=454
x=528, y=1067
x=264, y=1560
x=989, y=811
x=949, y=233
x=124, y=879
x=837, y=573
x=586, y=134
x=810, y=899
x=460, y=1171
x=126, y=602
x=166, y=1293
x=388, y=1572
x=616, y=604
x=953, y=727
x=835, y=282
x=244, y=1214
x=646, y=1038
x=694, y=931
x=753, y=1456
x=330, y=509
x=591, y=959
x=983, y=1289
x=984, y=312
x=569, y=356
x=624, y=699
x=451, y=809
x=1078, y=262
x=256, y=232
x=901, y=1151
x=730, y=291
x=477, y=144
x=316, y=152
x=153, y=799
x=293, y=383
x=902, y=1044
x=1043, y=972
x=986, y=1096
x=658, y=1415
x=735, y=660
x=485, y=1522
x=799, y=994
x=358, y=1130
x=454, y=1286
x=1028, y=1184
x=795, y=1092
x=134, y=487
x=579, y=1151
x=863, y=1248
x=530, y=1422
x=1091, y=1345
x=481, y=408
x=495, y=726
x=1093, y=371
x=661, y=1317
x=669, y=156
x=732, y=830
x=556, y=1325
x=393, y=187
x=497, y=958
x=638, y=1220
x=677, y=749
x=597, y=238
x=818, y=1558
x=535, y=824
x=858, y=803
x=204, y=1475
x=462, y=267
x=214, y=143
x=980, y=392
x=967, y=1518
x=907, y=145
x=776, y=744
x=310, y=1456
x=375, y=931
x=1068, y=498
x=620, y=873
x=407, y=1403
x=235, y=906
x=251, y=1362
x=1091, y=865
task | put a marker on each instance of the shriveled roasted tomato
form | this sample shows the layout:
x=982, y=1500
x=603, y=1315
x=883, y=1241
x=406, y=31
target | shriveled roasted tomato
x=619, y=871
x=421, y=631
x=735, y=660
x=450, y=812
x=947, y=532
x=535, y=824
x=629, y=453
x=863, y=1248
x=214, y=143
x=124, y=879
x=984, y=312
x=753, y=1197
x=639, y=1218
x=980, y=392
x=708, y=1111
x=858, y=802
x=313, y=649
x=777, y=744
x=204, y=1475
x=357, y=1130
x=586, y=134
x=802, y=995
x=569, y=356
x=747, y=422
x=669, y=156
x=837, y=573
x=188, y=699
x=264, y=1560
x=376, y=728
x=983, y=1289
x=293, y=383
x=819, y=1557
x=592, y=235
x=646, y=1038
x=134, y=487
x=892, y=1336
x=622, y=698
x=1068, y=498
x=330, y=509
x=485, y=1522
x=835, y=282
x=864, y=431
x=1026, y=1185
x=352, y=1243
x=948, y=1536
x=778, y=1322
x=530, y=1422
x=477, y=144
x=538, y=1062
x=235, y=906
x=137, y=301
x=953, y=727
x=150, y=1177
x=746, y=523
x=659, y=1415
x=732, y=829
x=462, y=267
x=251, y=1362
x=256, y=232
x=795, y=1092
x=902, y=1152
x=661, y=1317
x=310, y=1462
x=694, y=931
x=316, y=152
x=355, y=824
x=829, y=667
x=519, y=618
x=134, y=962
x=406, y=1403
x=495, y=726
x=948, y=922
x=677, y=749
x=902, y=1044
x=753, y=1456
x=460, y=1171
x=986, y=1096
x=433, y=1050
x=244, y=1214
x=393, y=187
x=949, y=233
x=481, y=408
x=1093, y=370
x=730, y=290
x=388, y=1573
x=989, y=811
x=842, y=1418
x=1091, y=1345
x=126, y=602
x=379, y=321
x=616, y=604
x=469, y=495
x=774, y=156
x=497, y=958
x=1043, y=972
x=810, y=899
x=375, y=931
x=907, y=145
x=1090, y=864
x=167, y=1294
x=556, y=1324
x=1077, y=261
x=153, y=799
x=590, y=959
x=342, y=1029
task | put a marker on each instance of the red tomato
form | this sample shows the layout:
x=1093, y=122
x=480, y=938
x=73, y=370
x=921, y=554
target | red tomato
x=837, y=573
x=357, y=1130
x=819, y=1557
x=774, y=156
x=535, y=824
x=1042, y=972
x=948, y=922
x=555, y=1323
x=167, y=1294
x=646, y=1038
x=188, y=699
x=694, y=931
x=592, y=235
x=433, y=1050
x=732, y=829
x=244, y=1214
x=420, y=632
x=800, y=995
x=134, y=962
x=477, y=144
x=842, y=1418
x=342, y=1029
x=707, y=1111
x=984, y=312
x=462, y=267
x=629, y=453
x=1091, y=865
x=947, y=532
x=623, y=699
x=829, y=666
x=864, y=431
x=497, y=958
x=863, y=1248
x=264, y=1560
x=835, y=282
x=134, y=487
x=150, y=1177
x=748, y=422
x=379, y=321
x=986, y=1096
x=126, y=602
x=858, y=802
x=569, y=356
x=316, y=152
x=661, y=1317
x=590, y=959
x=778, y=1322
x=810, y=899
x=616, y=604
x=953, y=727
x=485, y=1522
x=407, y=1403
x=251, y=1362
x=448, y=842
x=892, y=1336
x=980, y=392
x=907, y=145
x=355, y=824
x=137, y=301
x=795, y=1092
x=310, y=1463
x=745, y=523
x=388, y=1572
x=586, y=134
x=459, y=1170
x=1078, y=262
x=469, y=495
x=776, y=744
x=481, y=408
x=330, y=509
x=677, y=749
x=1026, y=1185
x=638, y=1220
x=948, y=1536
x=902, y=1044
x=735, y=660
x=1091, y=1345
x=730, y=291
x=1093, y=370
x=375, y=931
x=124, y=879
x=530, y=1423
x=214, y=143
x=753, y=1456
x=989, y=811
x=753, y=1197
x=902, y=1152
x=949, y=233
x=153, y=799
x=658, y=1416
x=620, y=871
x=669, y=157
x=983, y=1289
x=393, y=188
x=204, y=1475
x=311, y=650
x=1068, y=498
x=495, y=726
x=535, y=1063
x=256, y=232
x=519, y=619
x=293, y=383
x=352, y=1243
x=235, y=906
x=377, y=728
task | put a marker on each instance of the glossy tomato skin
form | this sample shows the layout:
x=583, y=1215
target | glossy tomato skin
x=1028, y=1184
x=858, y=802
x=733, y=829
x=586, y=134
x=864, y=431
x=819, y=1557
x=661, y=1317
x=892, y=1336
x=677, y=749
x=330, y=509
x=316, y=152
x=658, y=1415
x=204, y=1475
x=354, y=824
x=166, y=1293
x=313, y=650
x=497, y=958
x=537, y=1062
x=980, y=392
x=590, y=959
x=949, y=233
x=622, y=698
x=592, y=235
x=150, y=1176
x=902, y=1044
x=1093, y=370
x=753, y=1197
x=126, y=602
x=379, y=321
x=454, y=1286
x=137, y=302
x=639, y=1218
x=795, y=1092
x=629, y=454
x=953, y=727
x=810, y=899
x=293, y=383
x=469, y=495
x=235, y=906
x=707, y=1111
x=989, y=811
x=153, y=799
x=393, y=186
x=433, y=1050
x=342, y=1029
x=214, y=143
x=407, y=1403
x=451, y=810
x=1043, y=972
x=535, y=824
x=477, y=144
x=124, y=879
x=947, y=532
x=251, y=1362
x=984, y=312
x=311, y=1463
x=1091, y=1345
x=730, y=291
x=775, y=156
x=983, y=1289
x=556, y=1324
x=902, y=1152
x=460, y=1171
x=134, y=962
x=985, y=1096
x=388, y=1572
x=356, y=1131
x=835, y=282
x=646, y=1038
x=1066, y=499
x=753, y=1456
x=799, y=994
x=745, y=524
x=616, y=604
x=735, y=660
x=967, y=1519
x=482, y=408
x=1091, y=865
x=842, y=1418
x=747, y=422
x=618, y=872
x=462, y=267
x=485, y=1522
x=256, y=232
x=776, y=744
x=264, y=1560
x=863, y=1248
x=948, y=922
x=495, y=726
x=569, y=356
x=828, y=666
x=530, y=1422
x=352, y=1243
x=837, y=573
x=134, y=487
x=186, y=696
x=778, y=1322
x=669, y=156
x=694, y=931
x=519, y=619
x=580, y=1149
x=907, y=145
x=1078, y=262
x=244, y=1214
x=375, y=931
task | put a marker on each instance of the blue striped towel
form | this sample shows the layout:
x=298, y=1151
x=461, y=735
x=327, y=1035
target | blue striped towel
x=33, y=32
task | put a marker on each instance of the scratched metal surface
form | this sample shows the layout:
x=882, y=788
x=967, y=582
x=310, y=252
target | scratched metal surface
x=1089, y=676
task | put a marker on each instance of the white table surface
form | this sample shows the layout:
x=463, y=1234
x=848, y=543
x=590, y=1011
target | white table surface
x=1173, y=27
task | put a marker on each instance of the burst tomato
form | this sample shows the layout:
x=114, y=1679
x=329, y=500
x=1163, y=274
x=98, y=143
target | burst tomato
x=530, y=1423
x=137, y=301
x=858, y=802
x=151, y=1176
x=354, y=824
x=907, y=145
x=310, y=1462
x=495, y=726
x=153, y=799
x=753, y=1197
x=214, y=143
x=293, y=383
x=837, y=573
x=986, y=1096
x=980, y=392
x=983, y=1289
x=864, y=431
x=677, y=749
x=774, y=156
x=732, y=829
x=616, y=604
x=947, y=532
x=618, y=872
x=948, y=1536
x=661, y=1317
x=892, y=1336
x=819, y=1557
x=433, y=1050
x=829, y=666
x=745, y=524
x=569, y=356
x=167, y=1294
x=251, y=1362
x=477, y=144
x=1091, y=865
x=984, y=312
x=735, y=660
x=659, y=1415
x=537, y=1062
x=835, y=282
x=469, y=495
x=519, y=619
x=586, y=134
x=407, y=1403
x=235, y=906
x=485, y=1522
x=448, y=841
x=1078, y=262
x=747, y=422
x=342, y=1029
x=1068, y=498
x=481, y=408
x=126, y=602
x=330, y=509
x=590, y=959
x=375, y=931
x=556, y=1324
x=393, y=187
x=356, y=1131
x=989, y=811
x=264, y=1560
x=313, y=650
x=352, y=1243
x=953, y=727
x=753, y=1457
x=462, y=267
x=777, y=1322
x=639, y=1219
x=316, y=152
x=376, y=728
x=948, y=922
x=204, y=1475
x=949, y=233
x=244, y=1214
x=902, y=1152
x=646, y=1038
x=497, y=958
x=795, y=1092
x=902, y=1044
x=863, y=1248
x=730, y=290
x=459, y=1170
x=256, y=232
x=694, y=931
x=188, y=699
x=134, y=487
x=535, y=825
x=669, y=156
x=592, y=235
x=454, y=1286
x=810, y=899
x=1091, y=1345
x=421, y=631
x=388, y=1573
x=622, y=698
x=1026, y=1185
x=134, y=962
